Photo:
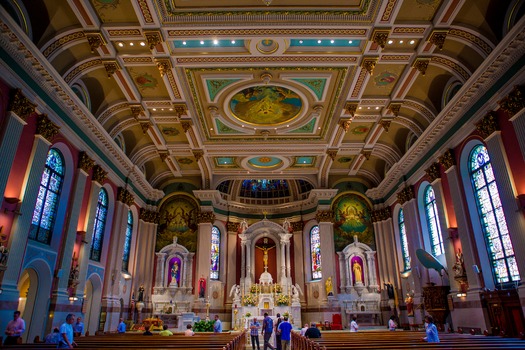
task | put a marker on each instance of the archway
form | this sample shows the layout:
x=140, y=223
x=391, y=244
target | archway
x=91, y=307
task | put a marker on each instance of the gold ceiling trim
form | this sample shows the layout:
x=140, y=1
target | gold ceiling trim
x=476, y=40
x=62, y=41
x=260, y=59
x=124, y=32
x=81, y=68
x=266, y=32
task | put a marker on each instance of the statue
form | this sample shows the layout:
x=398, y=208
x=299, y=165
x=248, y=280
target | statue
x=174, y=271
x=295, y=294
x=286, y=225
x=265, y=254
x=141, y=293
x=390, y=290
x=329, y=287
x=236, y=293
x=459, y=266
x=202, y=287
x=244, y=225
x=410, y=304
x=358, y=273
x=4, y=252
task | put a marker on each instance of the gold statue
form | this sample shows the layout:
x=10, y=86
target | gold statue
x=358, y=274
x=265, y=254
x=329, y=287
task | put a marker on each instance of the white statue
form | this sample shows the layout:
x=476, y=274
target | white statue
x=286, y=225
x=295, y=295
x=244, y=225
x=236, y=293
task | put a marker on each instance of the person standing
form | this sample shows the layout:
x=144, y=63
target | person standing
x=217, y=326
x=431, y=330
x=392, y=323
x=14, y=329
x=78, y=328
x=277, y=332
x=66, y=333
x=353, y=325
x=304, y=329
x=285, y=328
x=121, y=329
x=267, y=330
x=254, y=333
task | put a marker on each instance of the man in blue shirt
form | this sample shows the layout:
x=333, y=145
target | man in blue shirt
x=121, y=326
x=217, y=326
x=78, y=328
x=267, y=331
x=254, y=333
x=66, y=332
x=285, y=328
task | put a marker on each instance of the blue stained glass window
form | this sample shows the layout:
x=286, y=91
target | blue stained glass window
x=215, y=253
x=99, y=226
x=493, y=222
x=46, y=205
x=403, y=239
x=436, y=240
x=127, y=242
x=264, y=189
x=315, y=250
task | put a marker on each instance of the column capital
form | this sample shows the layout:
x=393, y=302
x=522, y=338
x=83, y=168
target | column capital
x=514, y=102
x=46, y=128
x=124, y=196
x=324, y=215
x=20, y=105
x=232, y=226
x=205, y=217
x=84, y=162
x=297, y=226
x=99, y=174
x=406, y=194
x=149, y=216
x=488, y=125
x=433, y=172
x=447, y=159
x=381, y=214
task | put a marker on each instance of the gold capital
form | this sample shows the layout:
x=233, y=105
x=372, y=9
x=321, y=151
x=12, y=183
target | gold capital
x=20, y=105
x=46, y=128
x=84, y=162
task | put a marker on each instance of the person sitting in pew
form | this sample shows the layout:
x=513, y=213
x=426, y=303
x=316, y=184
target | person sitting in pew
x=165, y=332
x=313, y=331
x=147, y=331
x=189, y=332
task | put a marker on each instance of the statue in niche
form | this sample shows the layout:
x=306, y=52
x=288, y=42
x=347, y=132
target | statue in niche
x=358, y=272
x=141, y=293
x=459, y=266
x=329, y=287
x=286, y=225
x=174, y=272
x=265, y=254
x=295, y=294
x=244, y=225
x=409, y=301
x=202, y=287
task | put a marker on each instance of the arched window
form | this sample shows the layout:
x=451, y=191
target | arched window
x=127, y=242
x=403, y=240
x=215, y=253
x=99, y=226
x=436, y=240
x=493, y=222
x=47, y=199
x=315, y=251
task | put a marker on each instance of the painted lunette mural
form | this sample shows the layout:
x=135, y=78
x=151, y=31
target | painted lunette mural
x=178, y=217
x=352, y=218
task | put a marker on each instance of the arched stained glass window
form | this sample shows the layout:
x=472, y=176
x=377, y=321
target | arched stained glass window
x=127, y=242
x=315, y=251
x=403, y=240
x=46, y=206
x=436, y=240
x=215, y=253
x=99, y=226
x=493, y=222
x=264, y=188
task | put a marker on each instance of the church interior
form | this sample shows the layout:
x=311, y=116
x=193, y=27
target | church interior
x=176, y=160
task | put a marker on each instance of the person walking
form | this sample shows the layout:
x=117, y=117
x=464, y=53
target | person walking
x=254, y=333
x=267, y=330
x=277, y=332
x=66, y=333
x=353, y=325
x=217, y=326
x=431, y=330
x=14, y=329
x=285, y=329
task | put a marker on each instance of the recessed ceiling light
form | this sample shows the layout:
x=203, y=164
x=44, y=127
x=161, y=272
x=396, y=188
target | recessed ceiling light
x=155, y=109
x=233, y=41
x=368, y=108
x=171, y=109
x=242, y=126
x=377, y=107
x=300, y=41
x=332, y=41
x=287, y=126
x=131, y=44
x=215, y=42
x=211, y=129
x=254, y=128
x=319, y=128
x=202, y=42
x=412, y=42
x=183, y=43
x=360, y=107
x=162, y=109
x=318, y=41
x=390, y=42
x=400, y=41
x=121, y=44
x=142, y=43
x=350, y=41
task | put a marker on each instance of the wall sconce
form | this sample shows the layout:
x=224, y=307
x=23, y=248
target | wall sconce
x=406, y=273
x=461, y=295
x=521, y=202
x=73, y=298
x=12, y=201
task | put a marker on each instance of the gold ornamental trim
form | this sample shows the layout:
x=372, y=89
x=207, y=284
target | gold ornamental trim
x=433, y=172
x=205, y=217
x=351, y=108
x=95, y=40
x=488, y=125
x=297, y=226
x=20, y=105
x=380, y=37
x=381, y=214
x=514, y=102
x=437, y=37
x=46, y=128
x=149, y=216
x=84, y=162
x=421, y=64
x=124, y=196
x=324, y=215
x=394, y=108
x=99, y=174
x=232, y=226
x=406, y=195
x=447, y=159
x=369, y=64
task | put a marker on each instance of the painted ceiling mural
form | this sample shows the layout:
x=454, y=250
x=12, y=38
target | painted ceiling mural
x=352, y=218
x=178, y=217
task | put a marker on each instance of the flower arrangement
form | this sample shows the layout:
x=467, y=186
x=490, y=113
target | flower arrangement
x=255, y=288
x=248, y=299
x=282, y=299
x=248, y=314
x=286, y=314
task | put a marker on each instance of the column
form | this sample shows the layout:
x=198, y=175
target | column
x=99, y=176
x=159, y=278
x=19, y=109
x=230, y=268
x=299, y=254
x=205, y=220
x=342, y=272
x=248, y=248
x=288, y=262
x=242, y=236
x=326, y=231
x=283, y=261
x=383, y=271
x=370, y=262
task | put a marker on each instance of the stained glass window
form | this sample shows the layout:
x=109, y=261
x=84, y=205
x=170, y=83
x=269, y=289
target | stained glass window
x=46, y=206
x=264, y=189
x=215, y=253
x=493, y=222
x=403, y=239
x=436, y=240
x=99, y=226
x=315, y=250
x=127, y=242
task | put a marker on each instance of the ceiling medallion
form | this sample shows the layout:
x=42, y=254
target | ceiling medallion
x=267, y=2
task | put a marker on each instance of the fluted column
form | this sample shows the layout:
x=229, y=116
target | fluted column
x=288, y=262
x=159, y=276
x=45, y=133
x=19, y=109
x=383, y=272
x=283, y=262
x=190, y=269
x=514, y=106
x=326, y=232
x=342, y=274
x=99, y=176
x=371, y=263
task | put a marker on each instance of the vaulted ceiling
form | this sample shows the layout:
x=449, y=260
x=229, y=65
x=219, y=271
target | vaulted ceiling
x=327, y=91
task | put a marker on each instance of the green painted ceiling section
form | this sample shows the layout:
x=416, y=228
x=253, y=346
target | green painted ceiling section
x=223, y=128
x=216, y=85
x=307, y=128
x=316, y=85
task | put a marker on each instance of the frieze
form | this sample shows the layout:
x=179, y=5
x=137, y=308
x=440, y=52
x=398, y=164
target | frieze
x=514, y=102
x=447, y=159
x=406, y=195
x=488, y=125
x=99, y=174
x=124, y=196
x=84, y=162
x=324, y=216
x=265, y=32
x=149, y=216
x=20, y=105
x=206, y=217
x=433, y=172
x=297, y=226
x=389, y=8
x=46, y=128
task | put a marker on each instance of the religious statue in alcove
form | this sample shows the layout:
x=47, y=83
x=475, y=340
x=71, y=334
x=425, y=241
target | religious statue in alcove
x=265, y=248
x=202, y=287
